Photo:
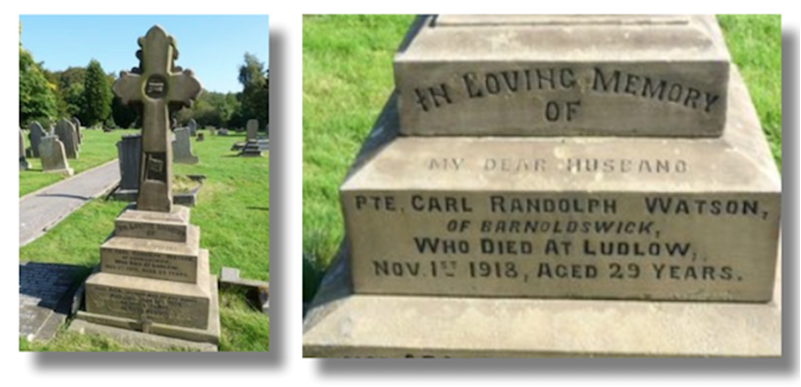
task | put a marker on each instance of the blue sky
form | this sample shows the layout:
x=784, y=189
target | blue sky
x=212, y=46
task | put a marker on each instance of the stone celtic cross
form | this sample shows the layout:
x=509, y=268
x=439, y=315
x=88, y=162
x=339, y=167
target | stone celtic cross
x=157, y=85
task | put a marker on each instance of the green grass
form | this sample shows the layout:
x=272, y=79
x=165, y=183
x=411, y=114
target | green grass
x=756, y=47
x=347, y=77
x=232, y=212
x=97, y=149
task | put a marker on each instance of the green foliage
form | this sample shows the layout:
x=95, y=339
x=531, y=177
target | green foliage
x=37, y=98
x=255, y=96
x=123, y=115
x=97, y=95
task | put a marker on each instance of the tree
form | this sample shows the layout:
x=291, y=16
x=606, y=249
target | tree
x=96, y=95
x=37, y=98
x=255, y=96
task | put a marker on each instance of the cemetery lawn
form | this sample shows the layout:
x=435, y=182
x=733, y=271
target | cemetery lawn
x=232, y=212
x=347, y=78
x=97, y=148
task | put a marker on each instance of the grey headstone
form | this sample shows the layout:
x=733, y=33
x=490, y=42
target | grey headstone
x=182, y=148
x=212, y=131
x=129, y=150
x=77, y=123
x=54, y=158
x=192, y=125
x=253, y=127
x=222, y=132
x=23, y=164
x=68, y=136
x=36, y=137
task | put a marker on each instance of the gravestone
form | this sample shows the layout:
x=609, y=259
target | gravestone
x=252, y=130
x=154, y=277
x=23, y=163
x=192, y=125
x=182, y=147
x=67, y=135
x=77, y=124
x=35, y=136
x=571, y=181
x=53, y=156
x=253, y=146
x=129, y=150
x=199, y=137
x=222, y=132
x=212, y=131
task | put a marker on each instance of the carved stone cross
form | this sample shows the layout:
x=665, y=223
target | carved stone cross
x=156, y=85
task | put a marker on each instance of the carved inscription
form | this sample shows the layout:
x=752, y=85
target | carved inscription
x=637, y=245
x=540, y=81
x=159, y=231
x=145, y=306
x=156, y=265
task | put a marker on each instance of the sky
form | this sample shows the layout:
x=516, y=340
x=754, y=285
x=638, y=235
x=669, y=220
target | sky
x=212, y=46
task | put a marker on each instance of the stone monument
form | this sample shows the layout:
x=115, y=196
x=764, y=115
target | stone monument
x=23, y=163
x=53, y=156
x=77, y=123
x=68, y=136
x=154, y=277
x=253, y=146
x=182, y=147
x=35, y=136
x=192, y=125
x=558, y=186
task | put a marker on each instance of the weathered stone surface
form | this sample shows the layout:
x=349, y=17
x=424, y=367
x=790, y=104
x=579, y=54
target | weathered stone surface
x=182, y=147
x=634, y=218
x=151, y=300
x=132, y=337
x=23, y=163
x=222, y=132
x=77, y=124
x=343, y=324
x=152, y=258
x=192, y=126
x=129, y=152
x=54, y=158
x=35, y=136
x=164, y=226
x=253, y=127
x=67, y=135
x=156, y=85
x=563, y=75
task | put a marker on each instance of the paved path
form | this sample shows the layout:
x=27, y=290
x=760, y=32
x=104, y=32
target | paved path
x=43, y=209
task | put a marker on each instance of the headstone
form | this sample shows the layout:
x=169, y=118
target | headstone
x=192, y=125
x=77, y=123
x=199, y=137
x=593, y=177
x=182, y=147
x=253, y=127
x=129, y=151
x=35, y=136
x=212, y=131
x=267, y=131
x=154, y=277
x=23, y=163
x=222, y=132
x=53, y=156
x=67, y=135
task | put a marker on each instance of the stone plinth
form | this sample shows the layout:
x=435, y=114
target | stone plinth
x=343, y=324
x=154, y=277
x=572, y=217
x=563, y=75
